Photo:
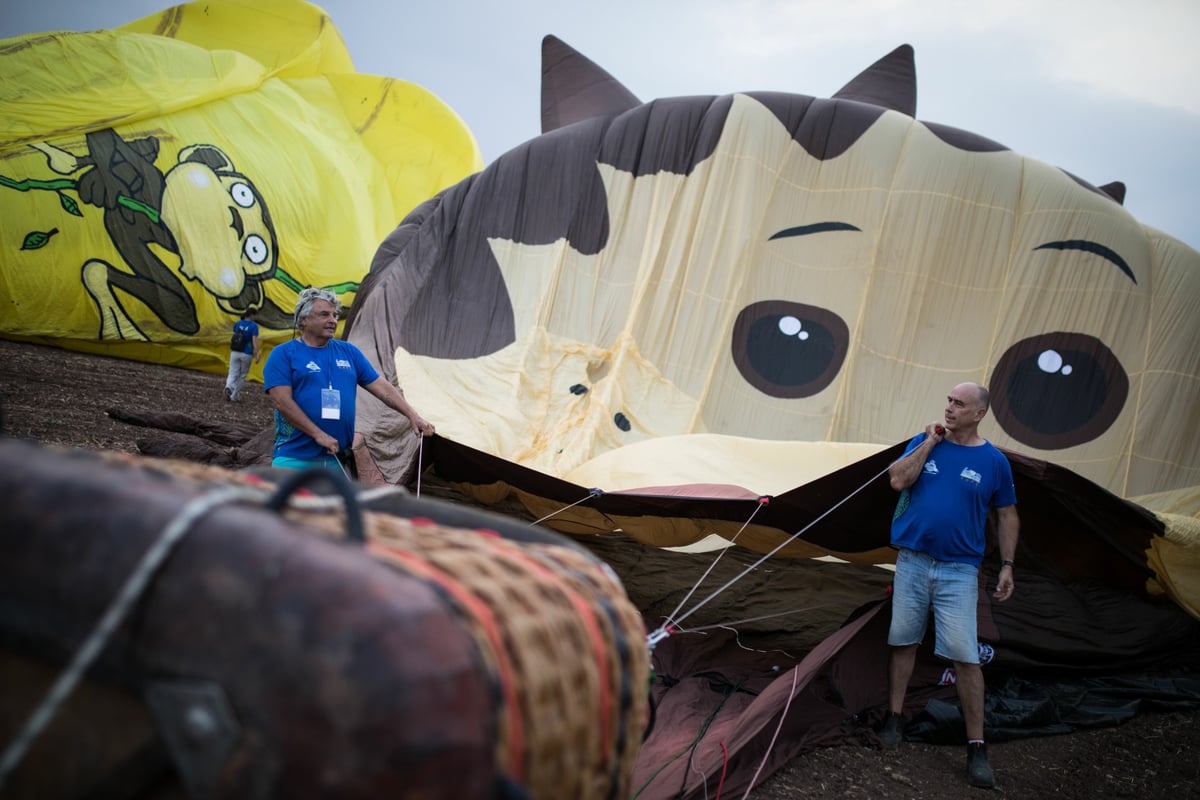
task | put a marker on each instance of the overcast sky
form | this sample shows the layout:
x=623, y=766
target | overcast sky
x=1106, y=89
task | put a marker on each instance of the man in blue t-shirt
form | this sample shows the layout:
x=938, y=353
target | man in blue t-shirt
x=312, y=382
x=241, y=357
x=949, y=480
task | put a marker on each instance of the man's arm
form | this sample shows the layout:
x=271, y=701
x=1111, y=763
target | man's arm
x=904, y=471
x=257, y=352
x=1008, y=528
x=382, y=388
x=285, y=404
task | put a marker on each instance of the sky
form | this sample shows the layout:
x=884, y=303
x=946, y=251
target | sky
x=1108, y=90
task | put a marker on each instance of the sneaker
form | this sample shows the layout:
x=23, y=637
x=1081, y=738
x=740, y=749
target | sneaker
x=979, y=771
x=892, y=732
x=228, y=394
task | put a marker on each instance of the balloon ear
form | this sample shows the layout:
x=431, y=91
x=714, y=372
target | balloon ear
x=575, y=89
x=1115, y=190
x=890, y=82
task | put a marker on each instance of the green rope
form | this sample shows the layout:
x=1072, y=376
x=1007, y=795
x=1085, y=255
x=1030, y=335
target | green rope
x=691, y=745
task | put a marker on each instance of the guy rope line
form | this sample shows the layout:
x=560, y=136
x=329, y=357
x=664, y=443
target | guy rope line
x=775, y=736
x=662, y=632
x=789, y=612
x=420, y=456
x=762, y=501
x=591, y=493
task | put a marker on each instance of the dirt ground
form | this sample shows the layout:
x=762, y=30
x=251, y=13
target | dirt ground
x=59, y=397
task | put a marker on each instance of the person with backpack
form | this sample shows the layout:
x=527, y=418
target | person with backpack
x=243, y=347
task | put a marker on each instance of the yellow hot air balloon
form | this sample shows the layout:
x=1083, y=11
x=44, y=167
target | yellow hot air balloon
x=158, y=179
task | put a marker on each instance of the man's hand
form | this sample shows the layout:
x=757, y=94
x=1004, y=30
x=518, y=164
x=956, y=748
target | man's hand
x=328, y=442
x=1005, y=585
x=421, y=426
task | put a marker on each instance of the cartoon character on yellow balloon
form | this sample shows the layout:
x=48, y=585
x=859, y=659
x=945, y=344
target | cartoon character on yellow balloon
x=191, y=175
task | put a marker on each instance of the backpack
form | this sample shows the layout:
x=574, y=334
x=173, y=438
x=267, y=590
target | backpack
x=237, y=342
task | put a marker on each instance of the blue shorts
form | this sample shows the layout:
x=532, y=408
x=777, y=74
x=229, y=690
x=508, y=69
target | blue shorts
x=951, y=589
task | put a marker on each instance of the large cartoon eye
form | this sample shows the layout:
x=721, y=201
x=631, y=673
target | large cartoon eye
x=255, y=249
x=242, y=194
x=787, y=349
x=1058, y=390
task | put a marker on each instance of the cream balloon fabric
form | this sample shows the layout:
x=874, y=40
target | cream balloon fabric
x=936, y=266
x=775, y=268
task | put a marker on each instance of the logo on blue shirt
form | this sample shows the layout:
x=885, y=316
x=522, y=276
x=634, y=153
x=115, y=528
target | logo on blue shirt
x=931, y=467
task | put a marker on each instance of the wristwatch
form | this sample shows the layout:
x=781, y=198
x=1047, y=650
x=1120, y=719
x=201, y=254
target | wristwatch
x=1006, y=563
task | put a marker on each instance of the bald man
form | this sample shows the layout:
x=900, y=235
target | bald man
x=950, y=479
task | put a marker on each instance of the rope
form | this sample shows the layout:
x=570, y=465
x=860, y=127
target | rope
x=753, y=619
x=137, y=582
x=762, y=501
x=591, y=493
x=662, y=632
x=692, y=745
x=691, y=769
x=420, y=458
x=771, y=746
x=724, y=768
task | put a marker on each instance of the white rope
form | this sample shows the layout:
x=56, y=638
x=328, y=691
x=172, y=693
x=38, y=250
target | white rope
x=693, y=768
x=671, y=617
x=420, y=458
x=342, y=467
x=591, y=493
x=771, y=746
x=737, y=639
x=754, y=619
x=153, y=558
x=661, y=633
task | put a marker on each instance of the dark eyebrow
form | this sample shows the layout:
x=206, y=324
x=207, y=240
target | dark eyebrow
x=1090, y=247
x=816, y=227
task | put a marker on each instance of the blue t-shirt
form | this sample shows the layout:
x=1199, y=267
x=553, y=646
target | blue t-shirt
x=251, y=330
x=312, y=371
x=944, y=514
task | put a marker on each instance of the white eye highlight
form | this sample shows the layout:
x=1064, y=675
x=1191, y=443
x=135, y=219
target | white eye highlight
x=790, y=326
x=1051, y=361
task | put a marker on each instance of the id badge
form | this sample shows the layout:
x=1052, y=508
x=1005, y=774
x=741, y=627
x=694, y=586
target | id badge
x=331, y=404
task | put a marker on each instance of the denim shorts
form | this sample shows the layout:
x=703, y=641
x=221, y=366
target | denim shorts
x=951, y=589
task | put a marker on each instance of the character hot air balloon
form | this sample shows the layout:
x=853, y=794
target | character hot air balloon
x=160, y=178
x=704, y=320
